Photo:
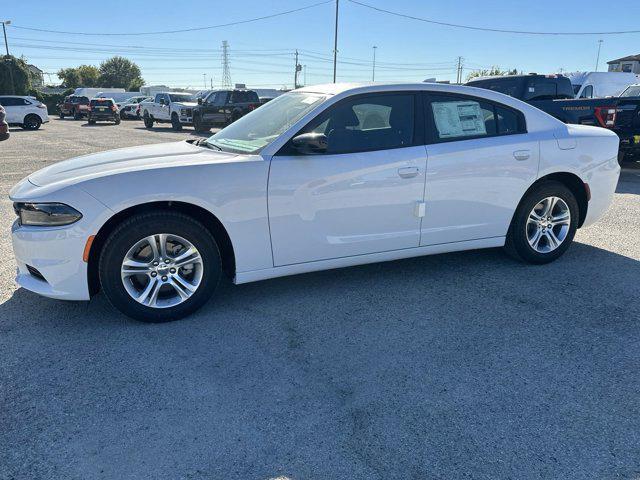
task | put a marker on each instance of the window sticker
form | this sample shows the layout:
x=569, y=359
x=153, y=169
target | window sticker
x=458, y=119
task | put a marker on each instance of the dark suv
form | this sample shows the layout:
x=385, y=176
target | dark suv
x=222, y=107
x=103, y=109
x=76, y=106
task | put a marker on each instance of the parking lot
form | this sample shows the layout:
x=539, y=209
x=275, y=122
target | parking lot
x=465, y=365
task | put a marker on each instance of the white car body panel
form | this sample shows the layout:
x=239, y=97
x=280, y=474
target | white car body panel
x=287, y=215
x=345, y=205
x=17, y=114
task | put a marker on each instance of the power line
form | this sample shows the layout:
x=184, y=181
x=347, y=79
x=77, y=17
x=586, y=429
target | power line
x=485, y=29
x=195, y=29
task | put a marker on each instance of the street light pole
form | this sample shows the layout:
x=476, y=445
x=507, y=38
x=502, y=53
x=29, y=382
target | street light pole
x=335, y=43
x=8, y=58
x=598, y=56
x=373, y=73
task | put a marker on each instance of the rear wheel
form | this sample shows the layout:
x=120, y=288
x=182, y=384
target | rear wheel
x=544, y=224
x=60, y=114
x=116, y=120
x=175, y=122
x=160, y=266
x=91, y=122
x=76, y=114
x=32, y=122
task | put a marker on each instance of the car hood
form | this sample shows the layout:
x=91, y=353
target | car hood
x=123, y=160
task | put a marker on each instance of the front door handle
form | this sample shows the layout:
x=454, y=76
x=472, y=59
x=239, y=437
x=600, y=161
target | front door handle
x=408, y=172
x=522, y=154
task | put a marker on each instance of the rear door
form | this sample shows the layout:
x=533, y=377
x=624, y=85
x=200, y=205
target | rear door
x=480, y=163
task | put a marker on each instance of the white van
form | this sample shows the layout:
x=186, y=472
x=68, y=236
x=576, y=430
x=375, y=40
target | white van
x=601, y=84
x=91, y=92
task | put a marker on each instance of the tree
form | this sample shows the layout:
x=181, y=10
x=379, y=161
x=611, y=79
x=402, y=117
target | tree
x=15, y=78
x=82, y=76
x=119, y=72
x=491, y=72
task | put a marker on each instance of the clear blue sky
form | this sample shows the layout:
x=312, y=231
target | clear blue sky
x=261, y=53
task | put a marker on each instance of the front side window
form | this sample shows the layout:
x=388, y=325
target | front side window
x=459, y=118
x=254, y=131
x=365, y=123
x=8, y=102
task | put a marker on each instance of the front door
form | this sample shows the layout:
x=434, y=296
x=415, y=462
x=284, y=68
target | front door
x=213, y=108
x=362, y=195
x=481, y=162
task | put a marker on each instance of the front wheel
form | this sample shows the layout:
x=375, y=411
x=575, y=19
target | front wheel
x=160, y=266
x=148, y=121
x=116, y=120
x=76, y=115
x=198, y=126
x=175, y=122
x=544, y=224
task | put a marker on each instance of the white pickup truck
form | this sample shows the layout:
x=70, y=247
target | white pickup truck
x=169, y=107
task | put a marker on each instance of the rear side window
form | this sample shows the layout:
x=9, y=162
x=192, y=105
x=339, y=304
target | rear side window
x=508, y=86
x=587, y=92
x=457, y=117
x=244, y=97
x=8, y=102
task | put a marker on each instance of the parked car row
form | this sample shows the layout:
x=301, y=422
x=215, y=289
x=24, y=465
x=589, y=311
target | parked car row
x=554, y=94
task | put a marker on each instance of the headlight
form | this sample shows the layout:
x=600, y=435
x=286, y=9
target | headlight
x=183, y=112
x=46, y=214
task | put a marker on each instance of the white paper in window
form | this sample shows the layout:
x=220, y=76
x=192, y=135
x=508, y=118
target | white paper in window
x=458, y=119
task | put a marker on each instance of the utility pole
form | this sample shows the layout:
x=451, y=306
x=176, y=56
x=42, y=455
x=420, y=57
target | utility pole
x=297, y=69
x=598, y=56
x=211, y=81
x=335, y=43
x=8, y=58
x=226, y=73
x=459, y=74
x=373, y=73
x=304, y=74
x=204, y=77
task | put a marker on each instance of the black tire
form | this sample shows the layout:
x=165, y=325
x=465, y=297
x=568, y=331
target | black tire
x=61, y=115
x=91, y=122
x=148, y=121
x=32, y=122
x=76, y=114
x=175, y=122
x=517, y=244
x=198, y=126
x=137, y=227
x=236, y=116
x=117, y=120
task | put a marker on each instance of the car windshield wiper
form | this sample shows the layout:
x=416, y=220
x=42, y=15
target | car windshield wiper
x=202, y=142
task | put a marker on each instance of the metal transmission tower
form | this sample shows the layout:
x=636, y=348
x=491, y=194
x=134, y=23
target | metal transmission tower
x=226, y=73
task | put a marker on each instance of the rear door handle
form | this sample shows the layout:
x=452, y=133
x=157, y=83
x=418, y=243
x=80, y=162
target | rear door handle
x=408, y=172
x=522, y=154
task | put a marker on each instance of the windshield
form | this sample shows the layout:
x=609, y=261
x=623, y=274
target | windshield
x=253, y=132
x=181, y=98
x=631, y=91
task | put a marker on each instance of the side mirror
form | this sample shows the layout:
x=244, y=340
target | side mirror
x=310, y=143
x=200, y=101
x=162, y=101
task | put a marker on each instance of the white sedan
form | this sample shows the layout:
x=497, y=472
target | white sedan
x=319, y=178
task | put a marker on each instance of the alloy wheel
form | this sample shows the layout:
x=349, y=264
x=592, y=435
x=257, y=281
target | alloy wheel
x=162, y=270
x=548, y=224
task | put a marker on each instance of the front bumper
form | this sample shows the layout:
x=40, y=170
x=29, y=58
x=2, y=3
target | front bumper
x=55, y=252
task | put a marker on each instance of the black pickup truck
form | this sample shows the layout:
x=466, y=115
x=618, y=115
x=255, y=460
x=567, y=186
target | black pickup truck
x=222, y=107
x=554, y=94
